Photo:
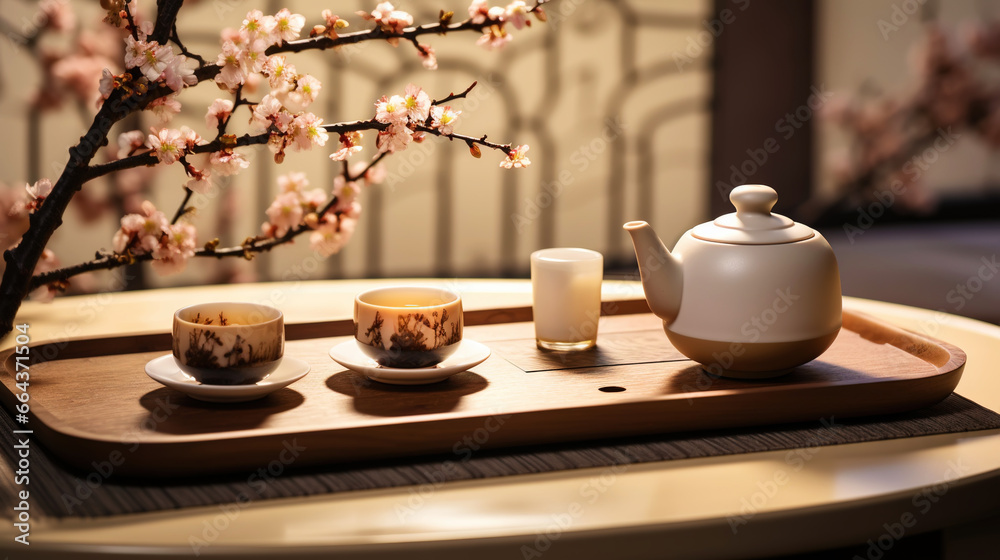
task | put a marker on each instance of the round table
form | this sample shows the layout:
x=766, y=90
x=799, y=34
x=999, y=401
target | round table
x=844, y=494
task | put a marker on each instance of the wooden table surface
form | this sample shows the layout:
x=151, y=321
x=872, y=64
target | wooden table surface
x=721, y=507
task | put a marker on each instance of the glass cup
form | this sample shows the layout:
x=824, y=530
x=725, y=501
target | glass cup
x=566, y=295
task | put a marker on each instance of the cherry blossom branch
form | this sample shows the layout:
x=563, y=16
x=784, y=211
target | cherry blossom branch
x=133, y=30
x=470, y=140
x=148, y=158
x=354, y=177
x=182, y=208
x=209, y=71
x=121, y=101
x=21, y=260
x=238, y=100
x=175, y=38
x=453, y=96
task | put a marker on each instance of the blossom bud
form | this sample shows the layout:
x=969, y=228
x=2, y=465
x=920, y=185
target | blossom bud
x=312, y=220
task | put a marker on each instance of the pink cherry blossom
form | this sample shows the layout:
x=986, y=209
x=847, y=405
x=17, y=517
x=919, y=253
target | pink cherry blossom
x=141, y=231
x=516, y=13
x=332, y=21
x=167, y=144
x=145, y=26
x=347, y=195
x=390, y=110
x=427, y=56
x=189, y=137
x=306, y=131
x=295, y=181
x=305, y=92
x=313, y=199
x=218, y=112
x=58, y=14
x=135, y=52
x=389, y=19
x=375, y=174
x=443, y=118
x=232, y=73
x=228, y=162
x=417, y=102
x=129, y=142
x=178, y=75
x=478, y=10
x=332, y=235
x=235, y=36
x=494, y=37
x=280, y=74
x=285, y=212
x=151, y=57
x=41, y=189
x=288, y=25
x=13, y=217
x=350, y=143
x=344, y=190
x=252, y=56
x=269, y=111
x=75, y=74
x=258, y=26
x=107, y=83
x=164, y=108
x=395, y=138
x=201, y=184
x=353, y=211
x=517, y=158
x=179, y=244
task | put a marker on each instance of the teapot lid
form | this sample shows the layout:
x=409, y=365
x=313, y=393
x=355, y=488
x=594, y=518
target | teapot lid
x=753, y=223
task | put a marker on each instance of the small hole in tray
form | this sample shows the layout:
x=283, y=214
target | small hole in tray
x=612, y=389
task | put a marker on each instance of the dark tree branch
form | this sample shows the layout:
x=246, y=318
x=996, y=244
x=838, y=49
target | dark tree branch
x=176, y=39
x=147, y=158
x=131, y=22
x=454, y=96
x=182, y=209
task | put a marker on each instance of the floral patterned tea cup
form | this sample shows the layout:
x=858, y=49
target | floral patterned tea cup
x=408, y=327
x=228, y=343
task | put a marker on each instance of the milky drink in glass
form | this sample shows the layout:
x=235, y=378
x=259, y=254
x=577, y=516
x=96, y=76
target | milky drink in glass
x=566, y=293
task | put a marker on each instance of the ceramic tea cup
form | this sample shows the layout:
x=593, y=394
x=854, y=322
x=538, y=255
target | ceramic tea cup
x=228, y=343
x=408, y=327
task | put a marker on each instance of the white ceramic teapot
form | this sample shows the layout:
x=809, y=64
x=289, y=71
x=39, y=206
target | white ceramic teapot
x=750, y=295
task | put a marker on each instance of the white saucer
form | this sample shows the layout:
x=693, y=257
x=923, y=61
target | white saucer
x=469, y=354
x=165, y=370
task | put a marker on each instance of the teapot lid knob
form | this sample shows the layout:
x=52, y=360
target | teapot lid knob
x=753, y=223
x=753, y=199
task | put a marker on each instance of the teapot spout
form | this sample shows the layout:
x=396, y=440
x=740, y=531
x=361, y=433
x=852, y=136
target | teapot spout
x=662, y=278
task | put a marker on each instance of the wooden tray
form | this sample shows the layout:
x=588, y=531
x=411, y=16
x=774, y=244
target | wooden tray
x=92, y=404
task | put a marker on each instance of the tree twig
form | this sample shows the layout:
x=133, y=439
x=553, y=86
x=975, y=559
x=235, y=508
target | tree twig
x=453, y=96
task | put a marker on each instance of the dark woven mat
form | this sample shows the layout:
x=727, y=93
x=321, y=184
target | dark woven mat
x=59, y=492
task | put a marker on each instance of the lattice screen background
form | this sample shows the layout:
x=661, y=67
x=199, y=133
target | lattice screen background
x=617, y=132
